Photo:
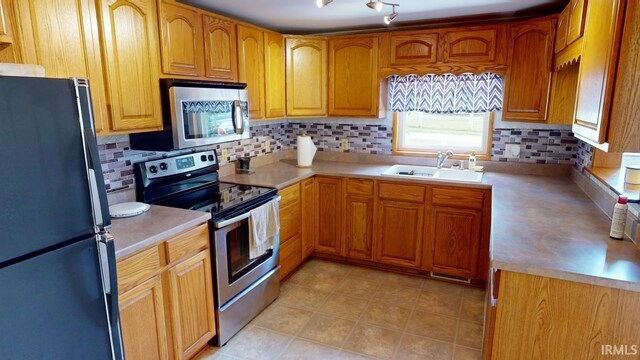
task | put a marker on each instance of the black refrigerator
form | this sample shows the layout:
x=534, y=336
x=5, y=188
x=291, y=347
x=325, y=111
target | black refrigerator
x=58, y=290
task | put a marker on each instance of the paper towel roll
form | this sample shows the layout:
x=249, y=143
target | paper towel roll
x=306, y=150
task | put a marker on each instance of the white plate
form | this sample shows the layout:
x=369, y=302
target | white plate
x=128, y=209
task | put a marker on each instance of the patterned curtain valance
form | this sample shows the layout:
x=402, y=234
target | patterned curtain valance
x=446, y=94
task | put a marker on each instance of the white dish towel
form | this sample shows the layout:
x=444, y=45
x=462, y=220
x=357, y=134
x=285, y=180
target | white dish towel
x=264, y=225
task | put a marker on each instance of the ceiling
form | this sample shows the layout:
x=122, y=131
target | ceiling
x=303, y=17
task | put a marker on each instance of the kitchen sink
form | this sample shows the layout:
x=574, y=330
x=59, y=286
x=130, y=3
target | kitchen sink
x=433, y=173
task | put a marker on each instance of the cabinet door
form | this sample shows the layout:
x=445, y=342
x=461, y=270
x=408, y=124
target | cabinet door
x=358, y=226
x=470, y=46
x=275, y=105
x=5, y=36
x=290, y=255
x=192, y=313
x=410, y=49
x=597, y=69
x=144, y=333
x=181, y=41
x=130, y=45
x=307, y=203
x=529, y=74
x=220, y=51
x=455, y=241
x=62, y=36
x=329, y=215
x=251, y=68
x=399, y=230
x=563, y=28
x=353, y=76
x=306, y=68
x=576, y=20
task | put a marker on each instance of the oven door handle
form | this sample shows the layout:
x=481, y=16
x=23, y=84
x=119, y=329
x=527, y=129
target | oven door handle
x=222, y=223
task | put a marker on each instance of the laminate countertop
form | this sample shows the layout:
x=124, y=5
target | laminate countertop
x=541, y=225
x=159, y=223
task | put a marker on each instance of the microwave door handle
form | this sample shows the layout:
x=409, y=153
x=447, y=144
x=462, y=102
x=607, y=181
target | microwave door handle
x=238, y=121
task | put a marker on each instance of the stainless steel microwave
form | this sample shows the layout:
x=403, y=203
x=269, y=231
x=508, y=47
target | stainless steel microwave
x=197, y=113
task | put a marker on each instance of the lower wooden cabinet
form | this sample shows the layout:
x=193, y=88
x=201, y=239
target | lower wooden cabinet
x=166, y=302
x=399, y=228
x=358, y=226
x=308, y=215
x=455, y=241
x=191, y=300
x=142, y=319
x=328, y=202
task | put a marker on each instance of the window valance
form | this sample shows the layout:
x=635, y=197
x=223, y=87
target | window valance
x=446, y=94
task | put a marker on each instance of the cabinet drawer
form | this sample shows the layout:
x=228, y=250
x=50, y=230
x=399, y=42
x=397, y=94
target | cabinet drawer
x=360, y=187
x=138, y=268
x=190, y=242
x=457, y=197
x=397, y=191
x=292, y=247
x=289, y=195
x=289, y=221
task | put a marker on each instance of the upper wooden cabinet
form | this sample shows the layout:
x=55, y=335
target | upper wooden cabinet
x=306, y=76
x=220, y=51
x=409, y=48
x=575, y=28
x=181, y=40
x=275, y=101
x=62, y=36
x=598, y=68
x=530, y=60
x=562, y=29
x=470, y=46
x=353, y=76
x=251, y=68
x=130, y=44
x=5, y=33
x=328, y=196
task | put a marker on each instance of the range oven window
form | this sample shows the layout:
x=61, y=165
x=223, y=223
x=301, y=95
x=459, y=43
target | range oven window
x=207, y=119
x=238, y=260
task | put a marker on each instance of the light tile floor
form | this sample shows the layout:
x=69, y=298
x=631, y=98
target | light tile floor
x=328, y=310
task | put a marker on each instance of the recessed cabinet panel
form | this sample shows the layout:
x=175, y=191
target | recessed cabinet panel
x=527, y=84
x=353, y=78
x=409, y=49
x=220, y=51
x=359, y=226
x=275, y=104
x=130, y=43
x=575, y=27
x=470, y=46
x=307, y=200
x=563, y=28
x=306, y=67
x=329, y=215
x=181, y=40
x=251, y=68
x=455, y=241
x=399, y=231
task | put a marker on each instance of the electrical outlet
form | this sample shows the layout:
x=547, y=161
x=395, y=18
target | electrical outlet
x=344, y=144
x=224, y=154
x=512, y=151
x=267, y=145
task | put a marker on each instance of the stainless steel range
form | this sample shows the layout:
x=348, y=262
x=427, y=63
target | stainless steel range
x=243, y=286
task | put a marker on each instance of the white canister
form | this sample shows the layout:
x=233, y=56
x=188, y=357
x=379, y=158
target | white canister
x=306, y=150
x=632, y=175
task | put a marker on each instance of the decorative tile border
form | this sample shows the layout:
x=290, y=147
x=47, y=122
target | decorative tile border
x=366, y=136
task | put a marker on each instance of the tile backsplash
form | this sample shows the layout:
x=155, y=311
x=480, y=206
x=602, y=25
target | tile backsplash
x=371, y=136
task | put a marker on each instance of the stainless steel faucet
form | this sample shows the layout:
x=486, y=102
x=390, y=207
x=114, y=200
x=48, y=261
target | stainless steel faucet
x=442, y=157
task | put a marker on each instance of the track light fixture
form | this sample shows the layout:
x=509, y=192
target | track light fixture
x=376, y=5
x=323, y=3
x=389, y=18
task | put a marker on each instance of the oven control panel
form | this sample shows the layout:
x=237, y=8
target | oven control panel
x=180, y=164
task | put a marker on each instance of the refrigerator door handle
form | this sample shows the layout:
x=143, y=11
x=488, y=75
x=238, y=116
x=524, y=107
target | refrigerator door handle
x=107, y=260
x=103, y=258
